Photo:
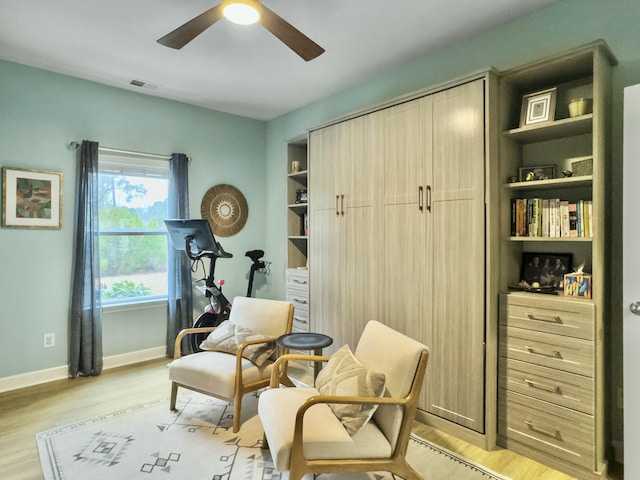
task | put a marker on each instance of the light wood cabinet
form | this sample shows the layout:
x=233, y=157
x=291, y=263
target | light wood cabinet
x=345, y=226
x=399, y=235
x=434, y=242
x=551, y=365
x=547, y=395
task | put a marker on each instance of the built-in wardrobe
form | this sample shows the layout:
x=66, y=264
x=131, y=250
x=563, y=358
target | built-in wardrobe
x=400, y=214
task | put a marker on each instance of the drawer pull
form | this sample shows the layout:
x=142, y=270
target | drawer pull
x=548, y=433
x=555, y=319
x=554, y=354
x=302, y=282
x=541, y=386
x=299, y=320
x=297, y=300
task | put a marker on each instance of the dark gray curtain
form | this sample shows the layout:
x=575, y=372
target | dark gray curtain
x=180, y=308
x=85, y=330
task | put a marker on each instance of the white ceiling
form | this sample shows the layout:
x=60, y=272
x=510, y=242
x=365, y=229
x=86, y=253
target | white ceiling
x=240, y=69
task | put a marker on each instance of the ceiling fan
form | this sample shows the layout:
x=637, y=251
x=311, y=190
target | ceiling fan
x=246, y=12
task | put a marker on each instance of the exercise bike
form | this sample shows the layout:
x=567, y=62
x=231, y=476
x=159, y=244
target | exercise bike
x=199, y=243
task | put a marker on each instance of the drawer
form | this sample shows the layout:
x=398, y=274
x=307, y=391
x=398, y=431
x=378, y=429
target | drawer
x=554, y=430
x=298, y=279
x=300, y=303
x=301, y=323
x=574, y=318
x=554, y=386
x=568, y=354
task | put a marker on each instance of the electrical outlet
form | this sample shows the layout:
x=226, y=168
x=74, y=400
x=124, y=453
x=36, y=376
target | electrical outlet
x=49, y=340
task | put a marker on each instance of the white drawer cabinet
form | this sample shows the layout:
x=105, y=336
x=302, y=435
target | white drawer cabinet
x=297, y=292
x=546, y=380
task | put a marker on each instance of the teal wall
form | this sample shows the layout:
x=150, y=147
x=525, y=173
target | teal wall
x=41, y=112
x=553, y=30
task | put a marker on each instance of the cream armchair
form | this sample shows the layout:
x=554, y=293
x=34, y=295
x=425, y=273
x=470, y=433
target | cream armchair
x=303, y=431
x=242, y=353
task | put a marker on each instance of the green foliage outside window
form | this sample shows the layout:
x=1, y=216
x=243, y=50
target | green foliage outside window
x=130, y=248
x=125, y=289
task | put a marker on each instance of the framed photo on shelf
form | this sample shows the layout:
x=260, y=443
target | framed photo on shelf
x=538, y=107
x=582, y=167
x=544, y=172
x=32, y=198
x=545, y=270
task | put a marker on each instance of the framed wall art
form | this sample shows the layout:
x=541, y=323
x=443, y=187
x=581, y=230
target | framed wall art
x=538, y=107
x=31, y=198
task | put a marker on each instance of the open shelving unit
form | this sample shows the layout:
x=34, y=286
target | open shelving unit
x=551, y=344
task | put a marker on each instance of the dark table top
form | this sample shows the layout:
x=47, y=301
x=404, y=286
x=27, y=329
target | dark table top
x=306, y=341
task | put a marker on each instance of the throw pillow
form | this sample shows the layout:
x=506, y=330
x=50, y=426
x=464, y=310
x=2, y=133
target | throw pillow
x=228, y=337
x=344, y=375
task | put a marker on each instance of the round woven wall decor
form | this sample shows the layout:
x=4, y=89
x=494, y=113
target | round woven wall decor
x=225, y=207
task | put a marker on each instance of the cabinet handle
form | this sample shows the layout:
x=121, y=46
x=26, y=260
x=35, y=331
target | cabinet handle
x=549, y=433
x=301, y=282
x=555, y=319
x=541, y=386
x=342, y=205
x=297, y=300
x=420, y=198
x=428, y=198
x=337, y=208
x=554, y=354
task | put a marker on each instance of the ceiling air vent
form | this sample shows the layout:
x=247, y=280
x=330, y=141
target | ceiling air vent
x=142, y=84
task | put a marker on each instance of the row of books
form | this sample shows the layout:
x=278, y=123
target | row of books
x=551, y=217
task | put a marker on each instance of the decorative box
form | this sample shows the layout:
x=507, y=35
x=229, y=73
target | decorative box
x=577, y=285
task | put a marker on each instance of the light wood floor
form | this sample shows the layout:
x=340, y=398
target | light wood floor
x=25, y=412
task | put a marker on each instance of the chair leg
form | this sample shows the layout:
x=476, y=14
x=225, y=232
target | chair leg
x=174, y=395
x=237, y=407
x=406, y=472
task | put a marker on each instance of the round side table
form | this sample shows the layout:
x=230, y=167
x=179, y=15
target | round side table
x=307, y=341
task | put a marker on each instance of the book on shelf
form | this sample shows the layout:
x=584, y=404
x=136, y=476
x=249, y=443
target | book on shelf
x=551, y=218
x=573, y=220
x=564, y=213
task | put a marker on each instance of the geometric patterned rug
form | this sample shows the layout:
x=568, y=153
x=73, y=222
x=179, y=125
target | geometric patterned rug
x=196, y=442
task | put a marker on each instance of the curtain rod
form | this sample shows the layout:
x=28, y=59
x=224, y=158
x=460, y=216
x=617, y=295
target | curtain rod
x=76, y=145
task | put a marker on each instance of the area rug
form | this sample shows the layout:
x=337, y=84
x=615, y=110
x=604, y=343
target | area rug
x=148, y=441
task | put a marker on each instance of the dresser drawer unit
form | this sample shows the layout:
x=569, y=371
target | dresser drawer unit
x=573, y=318
x=554, y=351
x=554, y=386
x=554, y=430
x=298, y=279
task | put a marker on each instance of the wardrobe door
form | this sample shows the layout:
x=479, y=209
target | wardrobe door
x=326, y=159
x=455, y=384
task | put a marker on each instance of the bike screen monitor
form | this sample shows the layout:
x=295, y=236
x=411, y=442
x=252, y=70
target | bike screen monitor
x=198, y=232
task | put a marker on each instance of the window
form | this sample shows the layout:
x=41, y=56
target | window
x=133, y=196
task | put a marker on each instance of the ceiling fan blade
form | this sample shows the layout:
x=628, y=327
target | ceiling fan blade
x=190, y=30
x=289, y=35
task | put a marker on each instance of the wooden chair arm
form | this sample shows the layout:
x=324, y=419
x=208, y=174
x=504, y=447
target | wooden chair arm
x=241, y=350
x=317, y=399
x=177, y=351
x=280, y=365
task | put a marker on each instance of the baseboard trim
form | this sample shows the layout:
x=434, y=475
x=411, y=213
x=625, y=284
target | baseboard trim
x=30, y=379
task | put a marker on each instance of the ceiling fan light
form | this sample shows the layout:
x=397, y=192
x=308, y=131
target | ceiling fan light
x=242, y=13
